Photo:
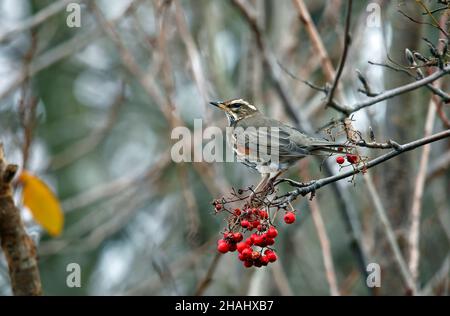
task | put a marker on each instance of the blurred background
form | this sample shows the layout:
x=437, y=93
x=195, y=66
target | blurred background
x=91, y=109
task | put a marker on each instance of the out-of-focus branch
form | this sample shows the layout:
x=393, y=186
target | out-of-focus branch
x=269, y=60
x=58, y=53
x=315, y=38
x=128, y=60
x=18, y=247
x=205, y=282
x=414, y=231
x=438, y=277
x=84, y=146
x=439, y=166
x=193, y=53
x=325, y=246
x=37, y=19
x=27, y=103
x=392, y=241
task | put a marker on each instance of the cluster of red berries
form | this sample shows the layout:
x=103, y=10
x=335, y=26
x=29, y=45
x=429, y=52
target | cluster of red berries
x=350, y=158
x=254, y=250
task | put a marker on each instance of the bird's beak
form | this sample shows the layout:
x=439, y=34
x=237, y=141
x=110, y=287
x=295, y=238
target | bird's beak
x=220, y=105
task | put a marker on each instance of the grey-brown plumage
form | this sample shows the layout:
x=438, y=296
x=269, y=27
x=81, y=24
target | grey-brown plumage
x=292, y=144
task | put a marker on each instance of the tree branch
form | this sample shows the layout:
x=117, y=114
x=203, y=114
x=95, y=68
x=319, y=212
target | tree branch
x=312, y=186
x=400, y=90
x=37, y=19
x=347, y=41
x=18, y=247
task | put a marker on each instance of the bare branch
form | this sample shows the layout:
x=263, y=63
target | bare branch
x=414, y=231
x=445, y=97
x=325, y=247
x=382, y=215
x=316, y=184
x=37, y=19
x=400, y=90
x=340, y=68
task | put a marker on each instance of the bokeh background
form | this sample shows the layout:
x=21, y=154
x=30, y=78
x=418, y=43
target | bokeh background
x=91, y=109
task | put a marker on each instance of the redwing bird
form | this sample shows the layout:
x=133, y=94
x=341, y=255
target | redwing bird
x=291, y=143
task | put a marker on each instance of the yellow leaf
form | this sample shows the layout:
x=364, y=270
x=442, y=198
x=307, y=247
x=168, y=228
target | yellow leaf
x=43, y=204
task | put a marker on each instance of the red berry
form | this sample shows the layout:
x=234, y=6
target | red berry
x=249, y=241
x=352, y=158
x=340, y=149
x=254, y=224
x=260, y=228
x=232, y=247
x=242, y=257
x=255, y=255
x=248, y=263
x=218, y=206
x=247, y=252
x=255, y=211
x=237, y=237
x=270, y=241
x=237, y=212
x=272, y=232
x=264, y=260
x=289, y=218
x=263, y=214
x=223, y=247
x=258, y=240
x=340, y=160
x=257, y=263
x=245, y=223
x=227, y=235
x=271, y=256
x=241, y=246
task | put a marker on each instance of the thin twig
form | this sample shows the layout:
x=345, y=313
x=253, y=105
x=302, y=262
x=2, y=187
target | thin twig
x=445, y=96
x=381, y=212
x=76, y=151
x=37, y=19
x=204, y=283
x=325, y=247
x=319, y=47
x=347, y=40
x=400, y=90
x=414, y=231
x=269, y=60
x=440, y=275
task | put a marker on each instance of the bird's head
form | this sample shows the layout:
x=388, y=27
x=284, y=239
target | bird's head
x=236, y=109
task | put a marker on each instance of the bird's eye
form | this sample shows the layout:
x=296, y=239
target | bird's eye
x=235, y=105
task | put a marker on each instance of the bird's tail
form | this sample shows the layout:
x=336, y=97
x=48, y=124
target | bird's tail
x=325, y=147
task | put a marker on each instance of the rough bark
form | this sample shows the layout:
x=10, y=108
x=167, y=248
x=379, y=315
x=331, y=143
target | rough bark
x=17, y=246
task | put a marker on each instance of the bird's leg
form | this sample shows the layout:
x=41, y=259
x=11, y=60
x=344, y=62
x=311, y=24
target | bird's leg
x=270, y=186
x=262, y=184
